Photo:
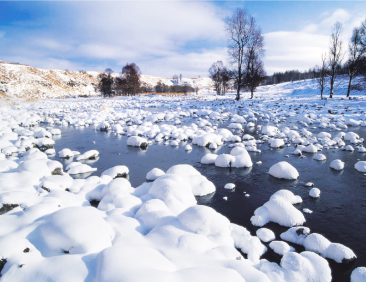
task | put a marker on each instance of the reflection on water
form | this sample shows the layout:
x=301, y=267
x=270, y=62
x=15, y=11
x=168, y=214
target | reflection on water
x=338, y=214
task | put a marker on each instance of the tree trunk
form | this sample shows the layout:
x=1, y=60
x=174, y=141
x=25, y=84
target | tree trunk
x=349, y=86
x=331, y=87
x=237, y=94
x=252, y=94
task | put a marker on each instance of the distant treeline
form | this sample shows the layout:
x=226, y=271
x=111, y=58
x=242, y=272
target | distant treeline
x=296, y=75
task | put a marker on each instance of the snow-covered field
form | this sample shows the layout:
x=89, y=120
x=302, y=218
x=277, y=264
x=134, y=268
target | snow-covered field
x=156, y=231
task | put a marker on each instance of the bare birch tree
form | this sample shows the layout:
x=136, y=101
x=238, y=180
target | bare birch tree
x=255, y=73
x=239, y=27
x=220, y=77
x=322, y=74
x=335, y=55
x=356, y=57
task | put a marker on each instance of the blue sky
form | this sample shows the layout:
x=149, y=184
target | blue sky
x=165, y=37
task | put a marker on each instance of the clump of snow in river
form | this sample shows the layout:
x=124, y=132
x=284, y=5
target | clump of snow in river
x=284, y=170
x=337, y=164
x=358, y=274
x=314, y=193
x=361, y=166
x=279, y=209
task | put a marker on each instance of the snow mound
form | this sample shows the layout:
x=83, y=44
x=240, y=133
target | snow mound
x=265, y=234
x=74, y=230
x=154, y=174
x=314, y=193
x=137, y=141
x=209, y=159
x=116, y=171
x=280, y=247
x=229, y=186
x=284, y=170
x=279, y=209
x=358, y=274
x=360, y=166
x=337, y=164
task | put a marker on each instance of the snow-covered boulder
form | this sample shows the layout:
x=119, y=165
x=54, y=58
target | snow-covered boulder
x=153, y=174
x=88, y=155
x=360, y=166
x=284, y=170
x=314, y=193
x=337, y=164
x=279, y=209
x=209, y=159
x=358, y=274
x=265, y=234
x=280, y=247
x=137, y=141
x=320, y=157
x=116, y=171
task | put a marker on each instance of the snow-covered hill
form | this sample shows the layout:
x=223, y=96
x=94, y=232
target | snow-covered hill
x=22, y=81
x=26, y=82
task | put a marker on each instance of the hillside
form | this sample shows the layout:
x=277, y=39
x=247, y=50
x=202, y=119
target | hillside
x=26, y=82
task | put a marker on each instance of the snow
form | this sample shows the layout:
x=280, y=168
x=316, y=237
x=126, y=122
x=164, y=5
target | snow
x=279, y=209
x=265, y=234
x=284, y=170
x=116, y=171
x=320, y=157
x=358, y=274
x=80, y=168
x=337, y=164
x=156, y=231
x=154, y=174
x=277, y=143
x=137, y=141
x=209, y=159
x=229, y=186
x=89, y=155
x=314, y=193
x=318, y=243
x=360, y=166
x=280, y=247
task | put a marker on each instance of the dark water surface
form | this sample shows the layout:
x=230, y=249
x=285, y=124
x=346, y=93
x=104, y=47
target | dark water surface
x=339, y=214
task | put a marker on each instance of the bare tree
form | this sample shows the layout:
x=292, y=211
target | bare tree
x=215, y=72
x=108, y=71
x=129, y=82
x=335, y=54
x=240, y=28
x=175, y=78
x=105, y=84
x=255, y=73
x=356, y=57
x=225, y=79
x=220, y=76
x=321, y=74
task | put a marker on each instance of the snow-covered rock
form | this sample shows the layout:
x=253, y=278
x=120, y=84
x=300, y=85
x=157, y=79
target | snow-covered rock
x=284, y=170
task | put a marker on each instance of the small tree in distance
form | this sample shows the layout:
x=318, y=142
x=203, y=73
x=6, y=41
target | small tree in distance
x=335, y=54
x=129, y=82
x=321, y=74
x=219, y=75
x=106, y=82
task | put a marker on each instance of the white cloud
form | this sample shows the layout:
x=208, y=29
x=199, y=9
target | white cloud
x=302, y=49
x=113, y=33
x=293, y=50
